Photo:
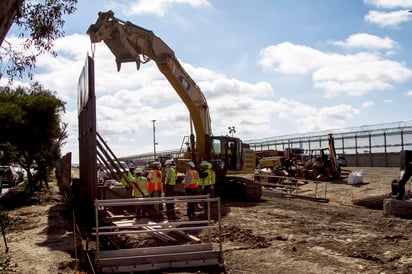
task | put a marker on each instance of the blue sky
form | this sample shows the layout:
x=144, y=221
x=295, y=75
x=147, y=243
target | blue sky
x=268, y=68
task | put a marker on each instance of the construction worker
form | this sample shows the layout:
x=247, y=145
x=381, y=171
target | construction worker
x=169, y=186
x=128, y=179
x=140, y=191
x=155, y=185
x=207, y=180
x=190, y=182
x=141, y=183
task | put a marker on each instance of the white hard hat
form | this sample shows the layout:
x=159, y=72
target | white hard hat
x=191, y=164
x=168, y=162
x=204, y=163
x=139, y=170
x=158, y=164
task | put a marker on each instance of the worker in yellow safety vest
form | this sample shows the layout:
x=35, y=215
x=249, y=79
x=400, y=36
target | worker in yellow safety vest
x=140, y=188
x=155, y=185
x=169, y=186
x=190, y=182
x=128, y=179
x=207, y=180
x=140, y=191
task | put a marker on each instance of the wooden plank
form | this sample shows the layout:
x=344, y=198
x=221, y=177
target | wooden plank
x=372, y=202
x=187, y=236
x=159, y=235
x=151, y=230
x=124, y=222
x=375, y=202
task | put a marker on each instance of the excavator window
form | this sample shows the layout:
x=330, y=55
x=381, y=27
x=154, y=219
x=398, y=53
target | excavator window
x=226, y=153
x=217, y=155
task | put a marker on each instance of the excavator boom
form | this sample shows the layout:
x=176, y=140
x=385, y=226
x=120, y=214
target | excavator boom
x=228, y=155
x=131, y=43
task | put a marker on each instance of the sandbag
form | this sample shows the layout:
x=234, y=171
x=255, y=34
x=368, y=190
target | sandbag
x=355, y=178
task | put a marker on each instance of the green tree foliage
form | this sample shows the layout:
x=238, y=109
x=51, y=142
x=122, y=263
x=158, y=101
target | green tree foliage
x=40, y=23
x=30, y=126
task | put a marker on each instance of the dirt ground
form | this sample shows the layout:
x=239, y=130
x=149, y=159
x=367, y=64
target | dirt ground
x=275, y=235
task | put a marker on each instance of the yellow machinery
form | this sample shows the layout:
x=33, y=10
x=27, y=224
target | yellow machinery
x=228, y=155
x=322, y=165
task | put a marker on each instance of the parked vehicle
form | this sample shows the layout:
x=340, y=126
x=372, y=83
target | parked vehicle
x=8, y=176
x=21, y=172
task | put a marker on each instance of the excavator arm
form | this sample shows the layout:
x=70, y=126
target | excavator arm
x=131, y=43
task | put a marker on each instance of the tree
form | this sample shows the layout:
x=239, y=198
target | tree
x=8, y=12
x=40, y=22
x=30, y=126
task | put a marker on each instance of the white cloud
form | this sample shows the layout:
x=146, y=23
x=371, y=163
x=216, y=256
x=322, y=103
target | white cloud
x=388, y=19
x=368, y=104
x=309, y=118
x=233, y=87
x=389, y=4
x=289, y=58
x=160, y=7
x=353, y=74
x=359, y=74
x=326, y=118
x=367, y=41
x=408, y=93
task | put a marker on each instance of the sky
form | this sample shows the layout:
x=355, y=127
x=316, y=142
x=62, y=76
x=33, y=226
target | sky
x=266, y=67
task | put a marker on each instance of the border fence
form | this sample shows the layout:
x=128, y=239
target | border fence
x=372, y=145
x=376, y=145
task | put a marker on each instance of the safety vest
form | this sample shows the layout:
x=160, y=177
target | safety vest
x=172, y=179
x=155, y=181
x=131, y=179
x=193, y=176
x=207, y=180
x=142, y=184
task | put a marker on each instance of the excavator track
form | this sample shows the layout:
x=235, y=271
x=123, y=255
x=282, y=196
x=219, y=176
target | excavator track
x=239, y=188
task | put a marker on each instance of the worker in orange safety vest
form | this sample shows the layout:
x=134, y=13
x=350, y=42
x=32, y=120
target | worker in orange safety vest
x=190, y=182
x=155, y=185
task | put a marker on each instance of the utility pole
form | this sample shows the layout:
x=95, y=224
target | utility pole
x=154, y=140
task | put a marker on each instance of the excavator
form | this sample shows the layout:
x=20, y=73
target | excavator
x=230, y=157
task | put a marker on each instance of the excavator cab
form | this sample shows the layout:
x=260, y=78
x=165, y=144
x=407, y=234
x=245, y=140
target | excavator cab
x=226, y=153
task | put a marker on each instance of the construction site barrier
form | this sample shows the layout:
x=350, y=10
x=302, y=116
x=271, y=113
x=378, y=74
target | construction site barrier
x=191, y=252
